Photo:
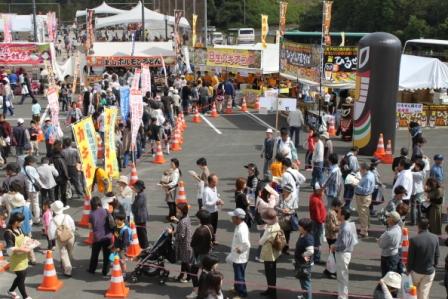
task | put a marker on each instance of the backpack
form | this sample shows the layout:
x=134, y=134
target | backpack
x=344, y=165
x=279, y=241
x=122, y=231
x=63, y=232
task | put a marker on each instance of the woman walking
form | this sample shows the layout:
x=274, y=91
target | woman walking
x=102, y=236
x=304, y=256
x=182, y=240
x=14, y=239
x=140, y=213
x=170, y=187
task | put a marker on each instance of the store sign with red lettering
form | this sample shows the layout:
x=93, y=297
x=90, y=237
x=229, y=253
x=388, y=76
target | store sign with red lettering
x=126, y=61
x=15, y=54
x=234, y=58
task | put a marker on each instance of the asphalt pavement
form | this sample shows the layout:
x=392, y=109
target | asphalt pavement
x=227, y=142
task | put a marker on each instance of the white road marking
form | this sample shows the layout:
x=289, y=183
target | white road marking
x=210, y=124
x=260, y=121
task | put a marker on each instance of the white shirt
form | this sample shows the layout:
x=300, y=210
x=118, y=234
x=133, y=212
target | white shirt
x=210, y=198
x=240, y=241
x=418, y=178
x=318, y=153
x=406, y=180
x=295, y=118
x=290, y=176
x=47, y=173
x=283, y=147
x=57, y=220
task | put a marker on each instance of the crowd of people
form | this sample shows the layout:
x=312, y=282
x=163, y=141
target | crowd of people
x=34, y=195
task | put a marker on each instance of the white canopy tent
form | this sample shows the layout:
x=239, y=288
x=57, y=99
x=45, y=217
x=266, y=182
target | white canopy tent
x=269, y=55
x=418, y=72
x=104, y=8
x=23, y=23
x=153, y=19
x=125, y=49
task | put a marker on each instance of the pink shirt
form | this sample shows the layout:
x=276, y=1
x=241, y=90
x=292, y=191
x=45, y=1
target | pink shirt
x=46, y=219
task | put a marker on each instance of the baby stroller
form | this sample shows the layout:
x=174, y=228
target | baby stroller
x=151, y=261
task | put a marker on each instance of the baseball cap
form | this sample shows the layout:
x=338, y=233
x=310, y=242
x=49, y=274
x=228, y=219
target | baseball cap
x=438, y=157
x=238, y=213
x=250, y=165
x=20, y=121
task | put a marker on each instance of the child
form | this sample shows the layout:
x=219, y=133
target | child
x=47, y=217
x=166, y=135
x=35, y=111
x=310, y=150
x=277, y=166
x=391, y=206
x=318, y=214
x=33, y=134
x=122, y=239
x=209, y=264
x=418, y=191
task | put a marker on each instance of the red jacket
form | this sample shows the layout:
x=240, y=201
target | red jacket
x=318, y=212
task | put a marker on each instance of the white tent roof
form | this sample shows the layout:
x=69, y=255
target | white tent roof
x=104, y=8
x=23, y=23
x=269, y=55
x=154, y=19
x=418, y=72
x=125, y=49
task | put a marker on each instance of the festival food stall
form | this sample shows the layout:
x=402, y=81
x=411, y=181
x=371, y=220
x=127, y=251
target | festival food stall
x=422, y=96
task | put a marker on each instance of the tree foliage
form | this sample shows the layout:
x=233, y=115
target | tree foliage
x=406, y=19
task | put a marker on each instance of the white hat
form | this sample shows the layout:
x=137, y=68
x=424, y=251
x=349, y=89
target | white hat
x=237, y=213
x=107, y=199
x=58, y=207
x=17, y=200
x=171, y=88
x=124, y=179
x=269, y=130
x=175, y=91
x=392, y=279
x=47, y=119
x=317, y=186
x=20, y=121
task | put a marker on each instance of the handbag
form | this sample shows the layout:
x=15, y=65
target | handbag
x=285, y=222
x=303, y=271
x=36, y=186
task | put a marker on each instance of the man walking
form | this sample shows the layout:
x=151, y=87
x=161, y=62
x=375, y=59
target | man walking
x=349, y=164
x=267, y=151
x=405, y=179
x=389, y=242
x=239, y=252
x=333, y=184
x=343, y=248
x=318, y=160
x=19, y=137
x=363, y=197
x=72, y=161
x=423, y=259
x=295, y=123
x=212, y=202
x=48, y=175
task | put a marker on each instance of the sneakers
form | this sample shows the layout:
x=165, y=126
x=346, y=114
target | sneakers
x=193, y=295
x=13, y=295
x=259, y=259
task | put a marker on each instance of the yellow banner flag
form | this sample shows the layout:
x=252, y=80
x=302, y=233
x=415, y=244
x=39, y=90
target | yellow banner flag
x=264, y=30
x=85, y=137
x=110, y=153
x=282, y=23
x=193, y=37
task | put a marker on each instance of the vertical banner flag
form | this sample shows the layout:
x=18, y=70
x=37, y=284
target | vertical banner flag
x=146, y=79
x=76, y=71
x=327, y=22
x=49, y=68
x=136, y=115
x=7, y=34
x=51, y=26
x=283, y=9
x=110, y=161
x=124, y=102
x=53, y=104
x=193, y=34
x=264, y=30
x=85, y=137
x=136, y=79
x=164, y=70
x=133, y=43
x=90, y=32
x=178, y=14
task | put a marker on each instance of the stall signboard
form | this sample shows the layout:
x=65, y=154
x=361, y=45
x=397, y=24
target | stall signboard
x=409, y=108
x=234, y=58
x=20, y=54
x=300, y=60
x=340, y=64
x=128, y=61
x=199, y=56
x=425, y=115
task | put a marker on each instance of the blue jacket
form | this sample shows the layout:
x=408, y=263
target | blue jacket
x=26, y=226
x=366, y=185
x=228, y=88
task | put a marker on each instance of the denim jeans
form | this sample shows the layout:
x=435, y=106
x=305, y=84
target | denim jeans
x=317, y=231
x=267, y=167
x=240, y=281
x=389, y=263
x=305, y=284
x=295, y=131
x=317, y=174
x=416, y=210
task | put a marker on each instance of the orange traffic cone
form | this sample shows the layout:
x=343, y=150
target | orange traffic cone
x=85, y=212
x=214, y=113
x=159, y=159
x=51, y=283
x=175, y=145
x=99, y=142
x=179, y=122
x=180, y=137
x=229, y=108
x=4, y=265
x=134, y=176
x=331, y=128
x=196, y=118
x=380, y=152
x=181, y=194
x=388, y=158
x=184, y=123
x=257, y=104
x=244, y=105
x=134, y=248
x=117, y=288
x=412, y=292
x=89, y=240
x=405, y=246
